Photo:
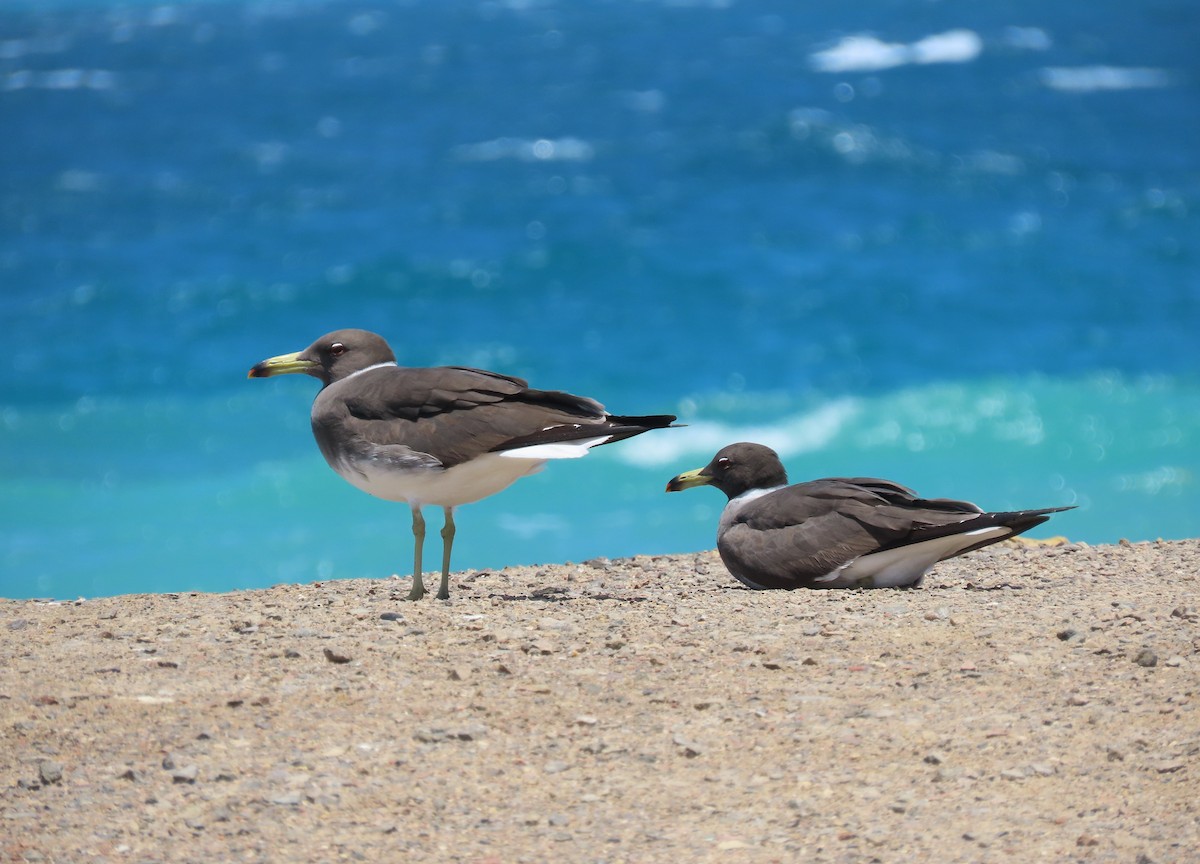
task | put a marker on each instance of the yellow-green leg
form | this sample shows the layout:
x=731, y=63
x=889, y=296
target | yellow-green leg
x=447, y=545
x=418, y=528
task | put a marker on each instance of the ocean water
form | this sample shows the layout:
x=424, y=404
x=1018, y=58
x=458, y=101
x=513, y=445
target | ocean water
x=955, y=245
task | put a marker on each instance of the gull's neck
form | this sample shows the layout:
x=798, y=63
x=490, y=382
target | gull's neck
x=369, y=368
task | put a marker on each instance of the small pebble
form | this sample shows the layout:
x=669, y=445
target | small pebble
x=334, y=657
x=470, y=733
x=690, y=748
x=541, y=646
x=462, y=733
x=187, y=774
x=50, y=772
x=1146, y=658
x=730, y=845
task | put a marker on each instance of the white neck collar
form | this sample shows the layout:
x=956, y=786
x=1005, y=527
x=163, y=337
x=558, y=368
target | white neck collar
x=751, y=494
x=369, y=368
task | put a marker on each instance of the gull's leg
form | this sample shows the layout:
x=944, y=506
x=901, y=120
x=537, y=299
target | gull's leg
x=418, y=526
x=447, y=544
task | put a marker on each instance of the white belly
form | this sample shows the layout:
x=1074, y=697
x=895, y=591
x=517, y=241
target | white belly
x=462, y=484
x=905, y=565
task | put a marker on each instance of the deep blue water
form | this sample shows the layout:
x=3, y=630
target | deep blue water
x=950, y=244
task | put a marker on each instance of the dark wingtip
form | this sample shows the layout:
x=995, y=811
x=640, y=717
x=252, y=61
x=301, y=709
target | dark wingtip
x=1022, y=520
x=649, y=421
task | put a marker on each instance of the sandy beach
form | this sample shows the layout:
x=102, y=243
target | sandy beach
x=1028, y=703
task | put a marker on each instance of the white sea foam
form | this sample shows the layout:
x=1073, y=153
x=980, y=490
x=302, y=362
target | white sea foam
x=59, y=79
x=799, y=433
x=566, y=149
x=931, y=417
x=1089, y=79
x=953, y=46
x=861, y=53
x=1168, y=478
x=13, y=49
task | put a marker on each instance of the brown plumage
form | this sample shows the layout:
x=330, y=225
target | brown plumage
x=442, y=436
x=839, y=532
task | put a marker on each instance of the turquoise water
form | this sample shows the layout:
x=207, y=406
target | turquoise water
x=952, y=246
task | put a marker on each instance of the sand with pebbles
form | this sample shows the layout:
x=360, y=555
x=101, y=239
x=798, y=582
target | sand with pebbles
x=1028, y=703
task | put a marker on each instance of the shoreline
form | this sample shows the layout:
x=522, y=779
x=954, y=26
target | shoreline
x=1028, y=701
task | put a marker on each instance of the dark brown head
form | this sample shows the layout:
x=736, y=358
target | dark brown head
x=736, y=469
x=331, y=358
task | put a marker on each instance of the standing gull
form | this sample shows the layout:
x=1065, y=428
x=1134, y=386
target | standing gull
x=839, y=532
x=443, y=436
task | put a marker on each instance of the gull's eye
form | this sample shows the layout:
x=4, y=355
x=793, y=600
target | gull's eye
x=724, y=463
x=337, y=349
